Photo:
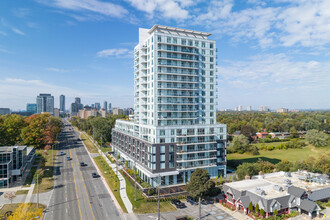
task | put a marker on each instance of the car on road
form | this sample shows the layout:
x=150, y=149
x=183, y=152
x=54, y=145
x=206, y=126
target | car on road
x=62, y=153
x=82, y=164
x=95, y=175
x=68, y=158
x=191, y=200
x=178, y=204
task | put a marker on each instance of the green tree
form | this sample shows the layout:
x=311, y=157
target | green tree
x=12, y=126
x=250, y=207
x=257, y=208
x=317, y=138
x=293, y=133
x=275, y=212
x=309, y=124
x=262, y=212
x=199, y=184
x=240, y=143
x=246, y=169
x=221, y=179
x=284, y=165
x=248, y=131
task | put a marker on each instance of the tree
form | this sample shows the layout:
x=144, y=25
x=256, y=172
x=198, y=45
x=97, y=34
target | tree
x=25, y=212
x=246, y=169
x=199, y=184
x=221, y=179
x=257, y=208
x=262, y=212
x=12, y=126
x=293, y=132
x=240, y=143
x=309, y=124
x=284, y=165
x=275, y=212
x=317, y=138
x=250, y=207
x=248, y=131
x=10, y=196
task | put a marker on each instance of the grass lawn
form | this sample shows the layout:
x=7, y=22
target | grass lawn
x=22, y=192
x=29, y=178
x=111, y=179
x=106, y=149
x=141, y=205
x=270, y=144
x=276, y=156
x=47, y=182
x=11, y=207
x=90, y=146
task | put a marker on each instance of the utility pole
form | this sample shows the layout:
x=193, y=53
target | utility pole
x=158, y=197
x=37, y=190
x=199, y=208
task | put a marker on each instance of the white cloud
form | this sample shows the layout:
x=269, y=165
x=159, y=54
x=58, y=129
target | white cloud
x=94, y=6
x=57, y=70
x=303, y=22
x=17, y=31
x=113, y=52
x=12, y=28
x=171, y=9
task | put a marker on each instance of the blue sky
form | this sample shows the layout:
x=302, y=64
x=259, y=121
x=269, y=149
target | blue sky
x=271, y=53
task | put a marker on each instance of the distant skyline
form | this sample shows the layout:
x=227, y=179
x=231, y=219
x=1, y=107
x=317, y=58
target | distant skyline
x=270, y=53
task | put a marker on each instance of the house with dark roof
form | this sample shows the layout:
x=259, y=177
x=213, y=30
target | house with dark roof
x=280, y=191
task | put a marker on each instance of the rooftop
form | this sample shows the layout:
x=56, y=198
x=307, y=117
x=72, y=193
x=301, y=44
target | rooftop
x=10, y=148
x=274, y=184
x=178, y=30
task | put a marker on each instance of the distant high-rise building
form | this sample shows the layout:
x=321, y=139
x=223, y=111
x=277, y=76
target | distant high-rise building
x=261, y=108
x=267, y=109
x=105, y=106
x=4, y=111
x=77, y=100
x=236, y=109
x=240, y=108
x=62, y=104
x=248, y=108
x=45, y=103
x=76, y=106
x=31, y=108
x=97, y=105
x=92, y=105
x=110, y=106
x=175, y=113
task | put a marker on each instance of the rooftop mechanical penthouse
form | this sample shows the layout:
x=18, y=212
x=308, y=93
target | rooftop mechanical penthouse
x=174, y=129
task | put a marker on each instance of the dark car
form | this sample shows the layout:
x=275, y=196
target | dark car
x=95, y=175
x=178, y=204
x=82, y=164
x=68, y=158
x=191, y=200
x=62, y=153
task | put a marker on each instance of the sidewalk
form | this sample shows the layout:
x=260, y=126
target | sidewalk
x=235, y=214
x=122, y=181
x=31, y=188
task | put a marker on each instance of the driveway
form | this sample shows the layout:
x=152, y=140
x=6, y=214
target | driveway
x=208, y=212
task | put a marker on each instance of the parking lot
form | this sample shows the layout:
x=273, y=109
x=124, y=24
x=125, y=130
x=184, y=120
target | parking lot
x=208, y=212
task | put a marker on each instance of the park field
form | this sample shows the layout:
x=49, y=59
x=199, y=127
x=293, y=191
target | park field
x=276, y=156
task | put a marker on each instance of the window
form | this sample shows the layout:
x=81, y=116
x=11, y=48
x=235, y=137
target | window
x=162, y=165
x=159, y=39
x=211, y=45
x=203, y=44
x=162, y=140
x=162, y=149
x=175, y=40
x=162, y=132
x=203, y=52
x=211, y=73
x=196, y=43
x=172, y=132
x=168, y=40
x=183, y=42
x=171, y=164
x=162, y=157
x=211, y=52
x=211, y=59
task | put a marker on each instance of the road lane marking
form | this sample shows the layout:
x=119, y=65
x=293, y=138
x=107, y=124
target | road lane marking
x=75, y=184
x=85, y=187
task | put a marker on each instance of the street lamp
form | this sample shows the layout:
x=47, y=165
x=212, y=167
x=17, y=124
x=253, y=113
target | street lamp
x=38, y=187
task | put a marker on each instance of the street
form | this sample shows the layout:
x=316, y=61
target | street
x=77, y=195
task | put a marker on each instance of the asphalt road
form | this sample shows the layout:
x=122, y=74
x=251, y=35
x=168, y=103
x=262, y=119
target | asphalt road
x=77, y=195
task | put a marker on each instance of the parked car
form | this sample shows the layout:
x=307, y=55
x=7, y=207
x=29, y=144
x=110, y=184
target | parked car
x=82, y=164
x=191, y=200
x=178, y=204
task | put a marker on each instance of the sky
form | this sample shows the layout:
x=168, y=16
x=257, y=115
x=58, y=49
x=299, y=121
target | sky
x=270, y=53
